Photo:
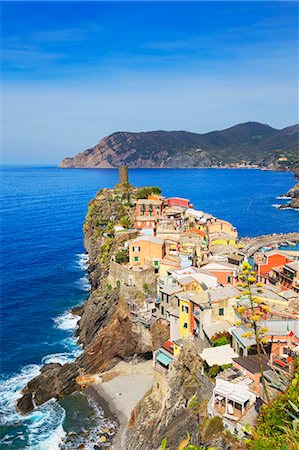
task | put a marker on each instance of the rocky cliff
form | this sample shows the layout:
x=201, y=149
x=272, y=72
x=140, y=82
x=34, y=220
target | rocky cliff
x=105, y=328
x=177, y=405
x=293, y=193
x=251, y=142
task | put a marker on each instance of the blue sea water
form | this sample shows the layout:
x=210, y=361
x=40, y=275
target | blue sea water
x=43, y=266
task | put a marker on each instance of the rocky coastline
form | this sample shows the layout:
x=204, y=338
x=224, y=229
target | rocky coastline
x=292, y=195
x=105, y=328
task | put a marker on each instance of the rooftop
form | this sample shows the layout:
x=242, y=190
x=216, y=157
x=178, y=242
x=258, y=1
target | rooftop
x=149, y=202
x=238, y=332
x=218, y=355
x=152, y=239
x=216, y=327
x=170, y=290
x=218, y=266
x=145, y=219
x=251, y=363
x=294, y=266
x=236, y=257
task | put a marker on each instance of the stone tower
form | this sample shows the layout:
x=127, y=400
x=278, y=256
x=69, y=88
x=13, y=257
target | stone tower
x=123, y=175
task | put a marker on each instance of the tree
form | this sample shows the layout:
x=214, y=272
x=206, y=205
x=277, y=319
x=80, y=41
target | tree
x=126, y=222
x=144, y=192
x=110, y=229
x=247, y=281
x=121, y=256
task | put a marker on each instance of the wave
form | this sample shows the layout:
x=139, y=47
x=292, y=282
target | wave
x=275, y=205
x=10, y=388
x=83, y=260
x=66, y=321
x=84, y=284
x=283, y=198
x=42, y=428
x=61, y=358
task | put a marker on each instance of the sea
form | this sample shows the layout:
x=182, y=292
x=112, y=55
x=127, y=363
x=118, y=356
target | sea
x=44, y=271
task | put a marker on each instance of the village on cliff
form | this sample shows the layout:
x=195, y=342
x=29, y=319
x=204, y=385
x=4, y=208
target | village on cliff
x=191, y=267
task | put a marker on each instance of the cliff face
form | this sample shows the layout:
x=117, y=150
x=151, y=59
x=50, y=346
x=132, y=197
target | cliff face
x=293, y=193
x=176, y=405
x=105, y=328
x=249, y=142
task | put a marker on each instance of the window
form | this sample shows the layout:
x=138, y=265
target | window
x=156, y=263
x=185, y=309
x=162, y=310
x=229, y=279
x=136, y=258
x=221, y=311
x=136, y=249
x=185, y=325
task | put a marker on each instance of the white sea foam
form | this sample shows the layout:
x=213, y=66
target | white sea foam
x=66, y=321
x=275, y=205
x=61, y=358
x=45, y=425
x=10, y=388
x=83, y=260
x=283, y=198
x=84, y=284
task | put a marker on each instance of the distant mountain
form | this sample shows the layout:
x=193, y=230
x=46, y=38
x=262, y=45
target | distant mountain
x=247, y=143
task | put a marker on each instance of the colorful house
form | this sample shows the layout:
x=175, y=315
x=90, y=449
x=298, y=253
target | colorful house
x=146, y=225
x=178, y=201
x=286, y=276
x=226, y=274
x=264, y=262
x=148, y=208
x=146, y=251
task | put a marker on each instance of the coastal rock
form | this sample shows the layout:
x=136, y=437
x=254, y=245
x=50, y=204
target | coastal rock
x=293, y=193
x=54, y=381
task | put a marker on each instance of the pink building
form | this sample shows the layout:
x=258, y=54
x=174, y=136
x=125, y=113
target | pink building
x=178, y=201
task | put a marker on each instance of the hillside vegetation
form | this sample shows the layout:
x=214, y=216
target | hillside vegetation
x=248, y=143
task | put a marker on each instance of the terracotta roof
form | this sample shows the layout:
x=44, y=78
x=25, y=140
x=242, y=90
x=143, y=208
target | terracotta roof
x=168, y=345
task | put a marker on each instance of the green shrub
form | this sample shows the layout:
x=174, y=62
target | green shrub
x=277, y=423
x=213, y=426
x=220, y=341
x=144, y=192
x=121, y=257
x=214, y=370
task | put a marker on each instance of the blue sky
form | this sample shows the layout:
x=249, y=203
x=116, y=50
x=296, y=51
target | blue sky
x=74, y=72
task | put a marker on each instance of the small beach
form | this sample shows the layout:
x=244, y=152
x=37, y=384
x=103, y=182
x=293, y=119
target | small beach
x=126, y=385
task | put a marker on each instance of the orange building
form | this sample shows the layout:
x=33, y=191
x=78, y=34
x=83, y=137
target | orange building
x=148, y=207
x=146, y=251
x=265, y=262
x=226, y=274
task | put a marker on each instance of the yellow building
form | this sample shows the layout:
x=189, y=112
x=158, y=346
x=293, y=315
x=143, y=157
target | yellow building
x=176, y=349
x=217, y=240
x=184, y=321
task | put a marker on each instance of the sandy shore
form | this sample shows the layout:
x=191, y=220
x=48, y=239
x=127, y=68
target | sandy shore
x=121, y=394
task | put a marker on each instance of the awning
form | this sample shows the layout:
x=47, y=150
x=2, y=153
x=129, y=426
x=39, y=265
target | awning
x=164, y=359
